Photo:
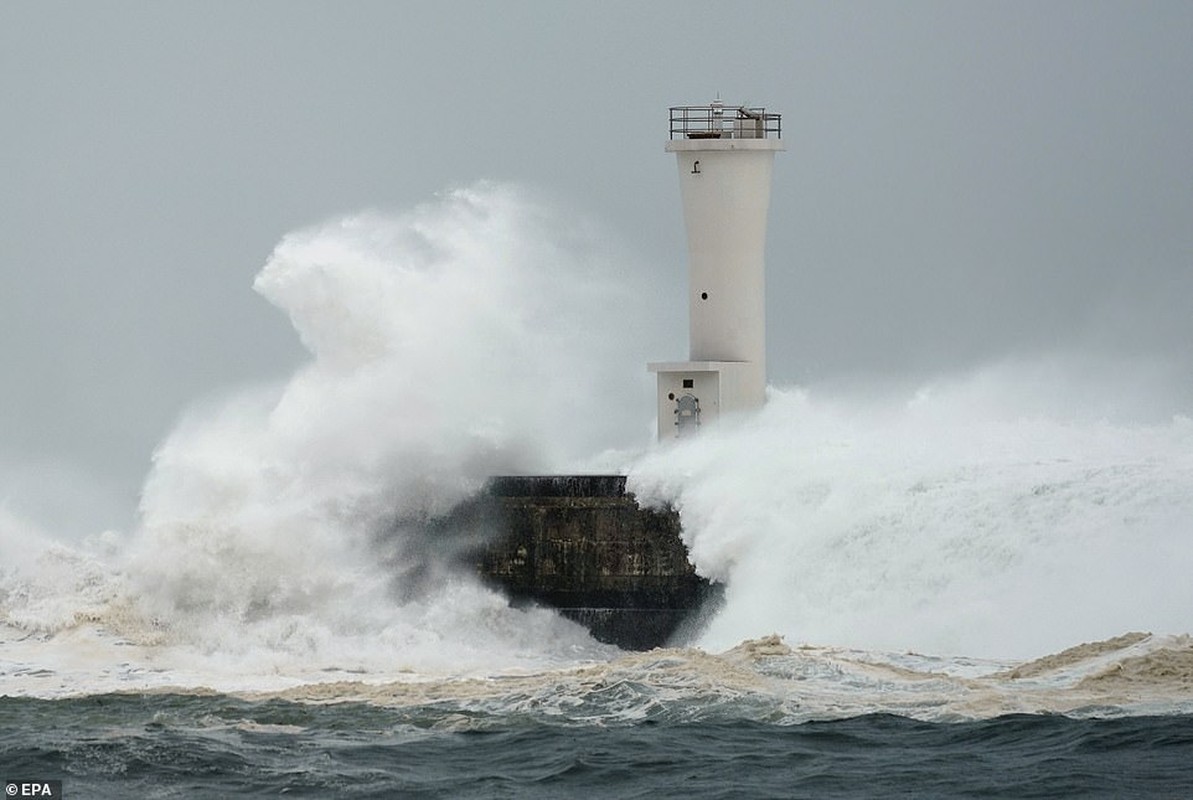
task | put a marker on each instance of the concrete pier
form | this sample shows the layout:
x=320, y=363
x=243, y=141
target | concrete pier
x=581, y=544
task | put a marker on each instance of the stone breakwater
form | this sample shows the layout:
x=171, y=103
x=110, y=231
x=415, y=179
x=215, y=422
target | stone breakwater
x=582, y=544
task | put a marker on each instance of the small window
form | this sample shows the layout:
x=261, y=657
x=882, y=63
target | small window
x=688, y=383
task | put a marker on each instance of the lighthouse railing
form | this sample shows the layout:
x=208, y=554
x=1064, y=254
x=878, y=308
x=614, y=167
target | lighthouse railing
x=718, y=121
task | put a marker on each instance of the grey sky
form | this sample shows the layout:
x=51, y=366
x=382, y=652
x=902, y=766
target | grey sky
x=963, y=181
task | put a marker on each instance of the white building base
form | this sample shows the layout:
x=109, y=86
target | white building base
x=692, y=394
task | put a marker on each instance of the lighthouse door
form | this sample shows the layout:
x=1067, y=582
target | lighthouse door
x=687, y=414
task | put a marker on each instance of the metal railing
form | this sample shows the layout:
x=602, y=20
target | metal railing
x=718, y=121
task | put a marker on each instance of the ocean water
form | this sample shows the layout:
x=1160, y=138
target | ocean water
x=117, y=746
x=762, y=720
x=975, y=586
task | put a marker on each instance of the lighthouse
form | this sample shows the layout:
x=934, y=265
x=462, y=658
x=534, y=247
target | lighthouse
x=725, y=156
x=581, y=543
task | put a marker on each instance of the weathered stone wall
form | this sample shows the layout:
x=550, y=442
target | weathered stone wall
x=581, y=544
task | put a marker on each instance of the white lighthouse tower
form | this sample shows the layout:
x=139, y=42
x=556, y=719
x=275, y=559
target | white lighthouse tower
x=725, y=155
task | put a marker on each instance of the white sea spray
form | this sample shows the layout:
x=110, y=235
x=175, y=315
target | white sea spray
x=967, y=517
x=283, y=542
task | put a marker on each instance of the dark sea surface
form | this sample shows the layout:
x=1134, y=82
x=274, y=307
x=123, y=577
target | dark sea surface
x=187, y=745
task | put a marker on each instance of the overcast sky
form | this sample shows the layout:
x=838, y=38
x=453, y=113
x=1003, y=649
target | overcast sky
x=963, y=181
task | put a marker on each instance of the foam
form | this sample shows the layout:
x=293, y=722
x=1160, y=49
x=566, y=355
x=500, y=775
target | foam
x=767, y=680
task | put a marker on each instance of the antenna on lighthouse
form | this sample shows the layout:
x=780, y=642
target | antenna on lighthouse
x=725, y=157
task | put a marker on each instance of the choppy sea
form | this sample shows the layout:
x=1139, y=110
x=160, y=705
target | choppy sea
x=1109, y=719
x=159, y=746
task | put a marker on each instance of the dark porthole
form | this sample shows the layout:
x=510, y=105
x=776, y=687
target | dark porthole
x=704, y=295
